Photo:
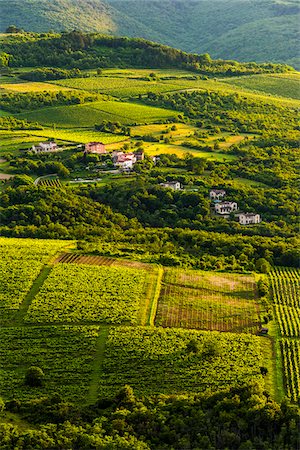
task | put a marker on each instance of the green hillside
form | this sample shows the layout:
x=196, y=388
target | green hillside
x=231, y=29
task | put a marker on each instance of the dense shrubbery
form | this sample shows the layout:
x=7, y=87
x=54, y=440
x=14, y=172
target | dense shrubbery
x=242, y=418
x=16, y=102
x=50, y=73
x=11, y=123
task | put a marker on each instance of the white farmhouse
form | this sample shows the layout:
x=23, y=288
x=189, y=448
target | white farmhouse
x=175, y=185
x=45, y=147
x=249, y=218
x=124, y=161
x=217, y=194
x=226, y=207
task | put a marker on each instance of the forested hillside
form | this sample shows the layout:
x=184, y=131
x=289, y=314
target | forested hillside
x=231, y=29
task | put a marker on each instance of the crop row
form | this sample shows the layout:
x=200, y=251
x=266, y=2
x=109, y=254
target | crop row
x=289, y=320
x=291, y=362
x=76, y=293
x=208, y=301
x=53, y=182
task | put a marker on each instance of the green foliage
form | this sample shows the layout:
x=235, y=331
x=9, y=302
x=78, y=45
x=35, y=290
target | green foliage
x=50, y=73
x=34, y=376
x=17, y=102
x=76, y=49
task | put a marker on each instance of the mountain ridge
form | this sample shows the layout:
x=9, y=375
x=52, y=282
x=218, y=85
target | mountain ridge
x=231, y=29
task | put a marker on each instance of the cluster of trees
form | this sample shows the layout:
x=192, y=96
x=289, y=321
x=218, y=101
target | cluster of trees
x=11, y=123
x=108, y=126
x=28, y=166
x=242, y=418
x=76, y=49
x=17, y=102
x=229, y=112
x=50, y=73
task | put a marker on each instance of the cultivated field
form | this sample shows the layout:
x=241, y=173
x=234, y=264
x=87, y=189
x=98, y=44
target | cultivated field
x=21, y=262
x=161, y=361
x=89, y=114
x=285, y=85
x=208, y=301
x=118, y=87
x=76, y=293
x=285, y=283
x=64, y=353
x=32, y=87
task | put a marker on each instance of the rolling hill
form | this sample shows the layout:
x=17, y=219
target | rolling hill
x=232, y=29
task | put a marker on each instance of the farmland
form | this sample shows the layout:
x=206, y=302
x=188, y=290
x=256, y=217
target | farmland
x=21, y=262
x=285, y=289
x=271, y=84
x=208, y=301
x=159, y=360
x=78, y=309
x=118, y=87
x=286, y=305
x=64, y=353
x=31, y=87
x=85, y=293
x=87, y=115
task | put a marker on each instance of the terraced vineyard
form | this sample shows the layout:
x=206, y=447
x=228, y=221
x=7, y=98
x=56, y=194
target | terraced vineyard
x=285, y=283
x=208, y=301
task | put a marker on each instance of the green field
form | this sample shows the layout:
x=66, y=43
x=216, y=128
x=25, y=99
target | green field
x=157, y=360
x=89, y=114
x=50, y=306
x=118, y=87
x=21, y=262
x=64, y=353
x=284, y=85
x=82, y=293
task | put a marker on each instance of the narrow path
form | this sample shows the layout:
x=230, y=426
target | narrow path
x=36, y=286
x=97, y=365
x=156, y=295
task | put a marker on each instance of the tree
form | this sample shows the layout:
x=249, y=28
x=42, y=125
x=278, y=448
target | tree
x=34, y=376
x=263, y=266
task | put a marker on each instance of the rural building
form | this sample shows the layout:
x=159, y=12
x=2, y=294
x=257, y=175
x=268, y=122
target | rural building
x=139, y=154
x=217, y=194
x=249, y=218
x=226, y=207
x=124, y=161
x=95, y=147
x=175, y=185
x=45, y=147
x=263, y=331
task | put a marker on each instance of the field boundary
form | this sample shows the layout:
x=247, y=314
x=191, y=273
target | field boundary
x=97, y=365
x=156, y=295
x=35, y=288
